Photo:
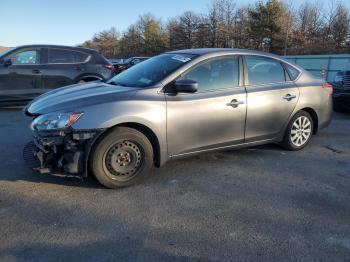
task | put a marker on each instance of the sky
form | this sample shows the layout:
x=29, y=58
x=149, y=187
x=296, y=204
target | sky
x=71, y=22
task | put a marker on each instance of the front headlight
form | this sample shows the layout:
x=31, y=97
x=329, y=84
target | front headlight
x=54, y=121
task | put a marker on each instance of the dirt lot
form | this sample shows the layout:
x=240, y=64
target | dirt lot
x=259, y=204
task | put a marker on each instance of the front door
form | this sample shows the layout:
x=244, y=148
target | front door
x=21, y=80
x=214, y=116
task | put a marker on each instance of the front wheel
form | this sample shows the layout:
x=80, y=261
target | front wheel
x=121, y=158
x=299, y=132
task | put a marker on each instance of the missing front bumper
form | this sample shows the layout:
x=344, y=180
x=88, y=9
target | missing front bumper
x=64, y=155
x=70, y=164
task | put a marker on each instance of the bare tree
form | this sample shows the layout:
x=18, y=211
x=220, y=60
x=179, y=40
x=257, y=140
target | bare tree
x=271, y=25
x=339, y=27
x=183, y=30
x=309, y=27
x=287, y=21
x=107, y=42
x=241, y=36
x=213, y=23
x=130, y=44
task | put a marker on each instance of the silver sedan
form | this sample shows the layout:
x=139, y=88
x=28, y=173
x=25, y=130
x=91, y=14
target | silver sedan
x=174, y=105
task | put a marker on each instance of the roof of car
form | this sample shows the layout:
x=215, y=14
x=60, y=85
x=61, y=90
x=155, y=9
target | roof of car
x=205, y=51
x=56, y=46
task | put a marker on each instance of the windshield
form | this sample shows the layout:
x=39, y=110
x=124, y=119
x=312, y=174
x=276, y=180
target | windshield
x=151, y=71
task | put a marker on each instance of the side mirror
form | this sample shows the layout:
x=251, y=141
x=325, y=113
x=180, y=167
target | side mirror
x=7, y=62
x=186, y=86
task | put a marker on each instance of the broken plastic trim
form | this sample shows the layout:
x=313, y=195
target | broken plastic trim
x=62, y=154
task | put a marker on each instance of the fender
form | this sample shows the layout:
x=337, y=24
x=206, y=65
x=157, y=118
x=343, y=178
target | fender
x=296, y=110
x=108, y=115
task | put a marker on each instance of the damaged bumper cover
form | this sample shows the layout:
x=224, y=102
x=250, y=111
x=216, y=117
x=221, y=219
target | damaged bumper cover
x=61, y=153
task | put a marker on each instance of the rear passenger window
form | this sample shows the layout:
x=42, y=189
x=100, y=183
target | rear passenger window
x=214, y=74
x=292, y=71
x=61, y=56
x=263, y=70
x=80, y=57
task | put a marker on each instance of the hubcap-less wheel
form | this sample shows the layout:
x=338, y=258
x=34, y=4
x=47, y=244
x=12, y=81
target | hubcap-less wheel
x=121, y=157
x=301, y=131
x=123, y=160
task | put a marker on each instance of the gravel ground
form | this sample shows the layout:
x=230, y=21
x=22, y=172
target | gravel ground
x=258, y=204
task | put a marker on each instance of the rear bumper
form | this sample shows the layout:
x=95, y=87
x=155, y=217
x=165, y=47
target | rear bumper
x=325, y=114
x=62, y=154
x=325, y=123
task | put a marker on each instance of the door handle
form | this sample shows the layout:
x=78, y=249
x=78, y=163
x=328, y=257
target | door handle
x=235, y=103
x=36, y=71
x=289, y=97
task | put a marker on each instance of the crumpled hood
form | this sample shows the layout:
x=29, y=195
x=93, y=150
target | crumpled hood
x=74, y=97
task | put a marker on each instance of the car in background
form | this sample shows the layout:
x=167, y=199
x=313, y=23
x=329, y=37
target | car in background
x=28, y=71
x=173, y=105
x=116, y=61
x=127, y=63
x=341, y=91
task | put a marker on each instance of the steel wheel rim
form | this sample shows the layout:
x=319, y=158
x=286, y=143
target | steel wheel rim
x=301, y=131
x=123, y=160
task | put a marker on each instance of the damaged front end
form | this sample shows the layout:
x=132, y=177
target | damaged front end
x=62, y=152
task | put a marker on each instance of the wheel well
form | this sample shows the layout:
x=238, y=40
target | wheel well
x=89, y=78
x=314, y=117
x=151, y=137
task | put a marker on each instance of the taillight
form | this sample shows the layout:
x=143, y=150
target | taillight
x=328, y=88
x=109, y=67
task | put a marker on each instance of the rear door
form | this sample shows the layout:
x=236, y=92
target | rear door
x=212, y=117
x=271, y=97
x=63, y=67
x=22, y=79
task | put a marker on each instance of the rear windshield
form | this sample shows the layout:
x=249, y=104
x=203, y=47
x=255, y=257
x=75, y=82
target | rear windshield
x=151, y=71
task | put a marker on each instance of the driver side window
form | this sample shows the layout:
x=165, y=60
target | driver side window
x=217, y=73
x=27, y=57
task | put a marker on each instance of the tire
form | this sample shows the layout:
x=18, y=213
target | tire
x=298, y=134
x=121, y=158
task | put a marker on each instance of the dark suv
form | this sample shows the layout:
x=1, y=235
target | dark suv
x=28, y=71
x=341, y=91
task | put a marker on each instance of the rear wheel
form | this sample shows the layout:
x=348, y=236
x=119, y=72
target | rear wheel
x=122, y=158
x=299, y=131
